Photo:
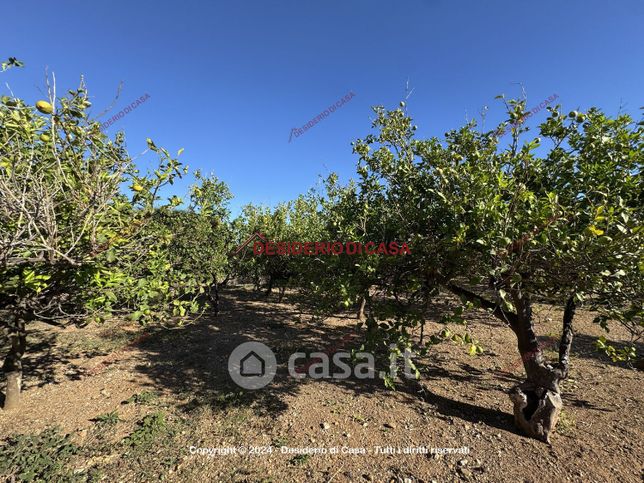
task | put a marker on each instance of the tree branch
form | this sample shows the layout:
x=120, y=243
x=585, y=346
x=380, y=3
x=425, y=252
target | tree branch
x=507, y=317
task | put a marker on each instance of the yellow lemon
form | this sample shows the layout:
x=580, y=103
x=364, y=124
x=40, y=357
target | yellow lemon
x=137, y=187
x=44, y=107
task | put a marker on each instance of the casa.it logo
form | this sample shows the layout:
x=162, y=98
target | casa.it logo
x=262, y=246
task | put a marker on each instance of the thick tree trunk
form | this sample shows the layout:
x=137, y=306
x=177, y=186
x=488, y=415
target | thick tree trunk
x=13, y=364
x=537, y=401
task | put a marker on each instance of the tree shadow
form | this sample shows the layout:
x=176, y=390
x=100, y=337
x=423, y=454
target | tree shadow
x=44, y=363
x=451, y=408
x=192, y=361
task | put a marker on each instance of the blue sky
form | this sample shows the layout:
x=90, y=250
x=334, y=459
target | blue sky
x=229, y=80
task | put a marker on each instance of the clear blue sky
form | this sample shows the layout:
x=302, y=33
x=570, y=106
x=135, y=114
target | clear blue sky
x=229, y=80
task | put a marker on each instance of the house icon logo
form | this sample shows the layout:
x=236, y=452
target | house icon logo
x=252, y=365
x=255, y=236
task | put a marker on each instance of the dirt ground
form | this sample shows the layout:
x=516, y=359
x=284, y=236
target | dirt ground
x=76, y=375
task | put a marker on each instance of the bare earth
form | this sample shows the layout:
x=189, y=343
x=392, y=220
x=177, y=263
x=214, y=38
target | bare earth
x=93, y=371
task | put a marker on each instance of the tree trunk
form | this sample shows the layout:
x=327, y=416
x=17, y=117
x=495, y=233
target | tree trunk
x=13, y=364
x=537, y=401
x=213, y=295
x=363, y=303
x=281, y=296
x=269, y=290
x=425, y=309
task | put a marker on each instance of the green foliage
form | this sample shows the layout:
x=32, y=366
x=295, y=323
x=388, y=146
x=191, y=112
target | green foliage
x=142, y=398
x=558, y=215
x=200, y=240
x=280, y=441
x=566, y=424
x=299, y=460
x=11, y=62
x=41, y=457
x=85, y=235
x=296, y=221
x=149, y=429
x=108, y=419
x=72, y=228
x=555, y=223
x=616, y=354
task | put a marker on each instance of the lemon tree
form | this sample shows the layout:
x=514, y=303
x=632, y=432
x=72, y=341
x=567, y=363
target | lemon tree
x=556, y=216
x=78, y=239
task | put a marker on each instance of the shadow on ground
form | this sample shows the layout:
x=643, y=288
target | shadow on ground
x=191, y=362
x=44, y=362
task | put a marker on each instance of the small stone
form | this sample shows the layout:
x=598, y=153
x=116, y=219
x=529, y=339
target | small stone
x=325, y=425
x=390, y=425
x=346, y=435
x=462, y=463
x=465, y=472
x=367, y=477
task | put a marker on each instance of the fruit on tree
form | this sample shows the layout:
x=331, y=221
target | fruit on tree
x=44, y=107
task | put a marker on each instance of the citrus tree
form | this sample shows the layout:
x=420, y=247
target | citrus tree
x=299, y=220
x=201, y=238
x=77, y=238
x=556, y=217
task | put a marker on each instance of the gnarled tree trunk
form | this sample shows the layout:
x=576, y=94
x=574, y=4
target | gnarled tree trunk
x=537, y=401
